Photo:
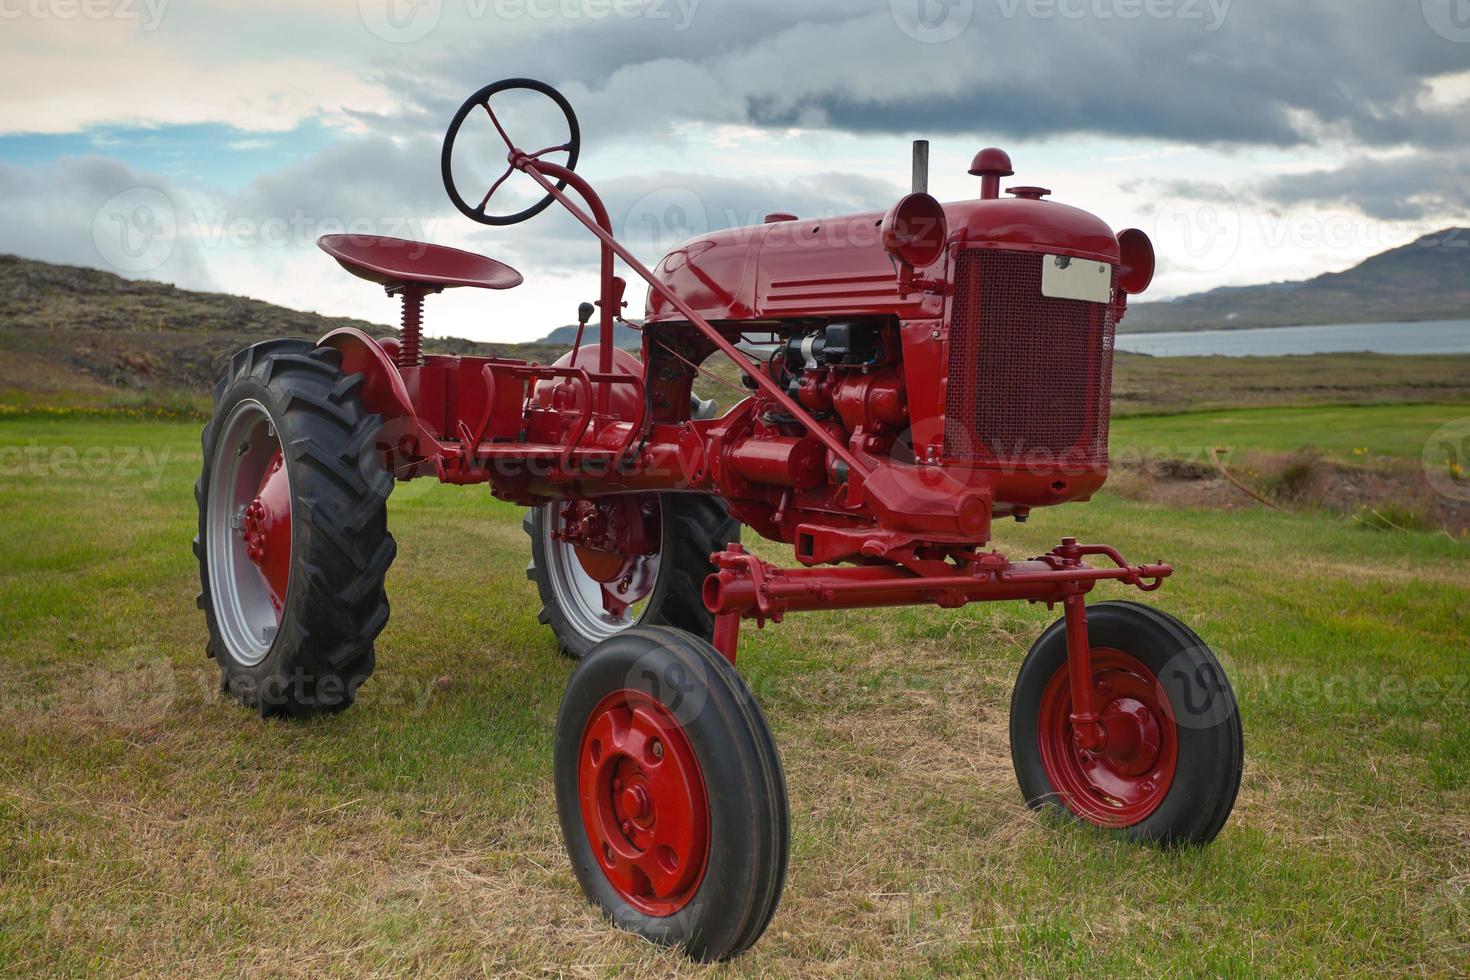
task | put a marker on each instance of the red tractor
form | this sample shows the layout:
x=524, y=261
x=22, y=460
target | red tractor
x=912, y=376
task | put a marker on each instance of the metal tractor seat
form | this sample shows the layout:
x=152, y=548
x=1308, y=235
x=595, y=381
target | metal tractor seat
x=400, y=262
x=413, y=270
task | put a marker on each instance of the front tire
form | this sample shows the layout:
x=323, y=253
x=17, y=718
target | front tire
x=691, y=527
x=293, y=541
x=1174, y=779
x=670, y=793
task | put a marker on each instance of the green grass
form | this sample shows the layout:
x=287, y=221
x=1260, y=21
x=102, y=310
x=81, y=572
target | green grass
x=148, y=826
x=1351, y=432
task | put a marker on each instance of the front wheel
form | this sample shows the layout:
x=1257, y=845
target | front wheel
x=1171, y=766
x=670, y=793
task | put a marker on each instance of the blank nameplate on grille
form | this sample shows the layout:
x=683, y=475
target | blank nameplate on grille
x=1063, y=277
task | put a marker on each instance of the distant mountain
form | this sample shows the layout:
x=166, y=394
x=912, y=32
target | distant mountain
x=565, y=336
x=1427, y=280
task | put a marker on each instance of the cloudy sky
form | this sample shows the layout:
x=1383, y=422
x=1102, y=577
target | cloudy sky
x=209, y=142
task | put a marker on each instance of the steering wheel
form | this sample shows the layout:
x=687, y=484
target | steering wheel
x=481, y=99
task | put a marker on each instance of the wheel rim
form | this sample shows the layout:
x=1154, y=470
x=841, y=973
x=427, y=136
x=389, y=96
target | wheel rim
x=601, y=593
x=644, y=804
x=1124, y=782
x=248, y=532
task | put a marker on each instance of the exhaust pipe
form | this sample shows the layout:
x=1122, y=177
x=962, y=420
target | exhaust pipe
x=921, y=167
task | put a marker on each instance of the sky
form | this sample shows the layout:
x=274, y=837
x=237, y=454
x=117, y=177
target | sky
x=209, y=143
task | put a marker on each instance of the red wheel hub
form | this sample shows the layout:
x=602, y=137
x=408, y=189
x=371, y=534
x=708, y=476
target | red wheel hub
x=265, y=526
x=1124, y=780
x=611, y=537
x=644, y=804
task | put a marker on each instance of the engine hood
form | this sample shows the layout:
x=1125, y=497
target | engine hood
x=838, y=266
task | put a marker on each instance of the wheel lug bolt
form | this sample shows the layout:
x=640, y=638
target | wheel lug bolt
x=628, y=827
x=617, y=784
x=657, y=748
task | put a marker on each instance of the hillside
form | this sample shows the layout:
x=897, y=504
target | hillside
x=83, y=338
x=70, y=329
x=1426, y=280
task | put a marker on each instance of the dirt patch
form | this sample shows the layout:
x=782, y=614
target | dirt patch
x=1391, y=496
x=31, y=373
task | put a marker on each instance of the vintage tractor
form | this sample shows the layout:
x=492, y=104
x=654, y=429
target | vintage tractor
x=909, y=377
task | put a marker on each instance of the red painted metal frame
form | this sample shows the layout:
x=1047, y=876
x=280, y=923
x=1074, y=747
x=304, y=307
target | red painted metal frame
x=602, y=228
x=910, y=531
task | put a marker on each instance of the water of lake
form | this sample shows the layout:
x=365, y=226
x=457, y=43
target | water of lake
x=1427, y=337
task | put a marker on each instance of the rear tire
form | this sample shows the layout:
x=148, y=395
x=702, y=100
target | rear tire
x=670, y=793
x=1149, y=664
x=693, y=527
x=294, y=635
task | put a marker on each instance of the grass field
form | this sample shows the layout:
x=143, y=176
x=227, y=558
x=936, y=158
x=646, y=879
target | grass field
x=1348, y=432
x=148, y=826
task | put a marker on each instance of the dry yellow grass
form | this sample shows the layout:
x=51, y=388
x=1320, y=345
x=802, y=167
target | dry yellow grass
x=147, y=827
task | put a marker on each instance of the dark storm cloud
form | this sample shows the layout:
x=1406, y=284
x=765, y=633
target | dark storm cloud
x=1409, y=188
x=1202, y=71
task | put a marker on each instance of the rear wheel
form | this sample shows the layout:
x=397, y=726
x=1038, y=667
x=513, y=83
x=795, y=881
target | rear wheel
x=293, y=542
x=1171, y=766
x=670, y=793
x=603, y=565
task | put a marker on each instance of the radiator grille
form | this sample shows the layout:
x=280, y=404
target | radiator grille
x=1030, y=377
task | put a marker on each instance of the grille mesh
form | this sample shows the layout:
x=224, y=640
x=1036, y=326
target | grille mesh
x=1030, y=377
